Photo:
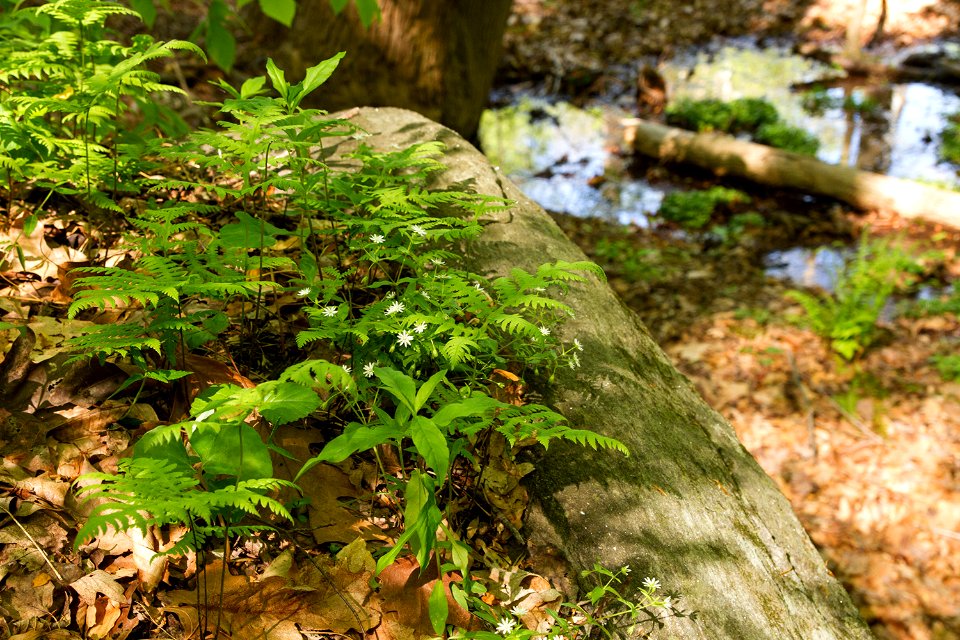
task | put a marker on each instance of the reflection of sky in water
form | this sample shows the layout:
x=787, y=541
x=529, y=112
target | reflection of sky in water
x=918, y=111
x=552, y=150
x=923, y=115
x=807, y=267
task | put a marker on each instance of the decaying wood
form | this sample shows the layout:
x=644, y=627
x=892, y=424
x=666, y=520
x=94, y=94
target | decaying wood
x=690, y=506
x=726, y=155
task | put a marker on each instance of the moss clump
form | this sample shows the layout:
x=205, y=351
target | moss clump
x=950, y=140
x=787, y=137
x=694, y=209
x=754, y=117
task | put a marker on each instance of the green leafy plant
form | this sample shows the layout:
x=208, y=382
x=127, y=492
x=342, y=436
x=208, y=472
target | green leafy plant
x=948, y=365
x=613, y=606
x=848, y=318
x=66, y=90
x=694, y=209
x=371, y=275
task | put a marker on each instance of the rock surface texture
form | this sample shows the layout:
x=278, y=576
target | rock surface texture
x=690, y=506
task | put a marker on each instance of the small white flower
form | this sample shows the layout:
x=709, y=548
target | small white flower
x=519, y=610
x=576, y=343
x=437, y=261
x=390, y=295
x=667, y=603
x=417, y=229
x=346, y=368
x=559, y=637
x=303, y=293
x=574, y=361
x=420, y=327
x=395, y=307
x=505, y=626
x=426, y=296
x=404, y=339
x=539, y=289
x=368, y=369
x=476, y=285
x=544, y=331
x=651, y=583
x=329, y=311
x=376, y=238
x=626, y=569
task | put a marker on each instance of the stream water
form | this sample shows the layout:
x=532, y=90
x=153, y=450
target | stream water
x=565, y=157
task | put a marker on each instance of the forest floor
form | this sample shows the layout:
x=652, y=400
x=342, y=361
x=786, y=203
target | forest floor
x=870, y=462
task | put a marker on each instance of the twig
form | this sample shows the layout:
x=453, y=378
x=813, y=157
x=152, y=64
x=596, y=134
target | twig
x=34, y=542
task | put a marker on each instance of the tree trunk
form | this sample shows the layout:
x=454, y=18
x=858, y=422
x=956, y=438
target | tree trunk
x=690, y=506
x=435, y=57
x=861, y=189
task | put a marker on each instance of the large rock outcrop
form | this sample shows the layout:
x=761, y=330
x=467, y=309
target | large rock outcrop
x=690, y=505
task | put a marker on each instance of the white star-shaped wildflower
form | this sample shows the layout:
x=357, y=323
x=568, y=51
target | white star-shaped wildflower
x=544, y=331
x=438, y=262
x=505, y=626
x=303, y=293
x=404, y=339
x=377, y=238
x=576, y=343
x=329, y=311
x=476, y=285
x=626, y=569
x=417, y=229
x=390, y=295
x=426, y=296
x=368, y=369
x=574, y=361
x=667, y=603
x=346, y=368
x=420, y=327
x=395, y=307
x=651, y=583
x=519, y=610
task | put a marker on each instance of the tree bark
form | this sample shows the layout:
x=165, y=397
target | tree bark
x=435, y=57
x=690, y=506
x=726, y=155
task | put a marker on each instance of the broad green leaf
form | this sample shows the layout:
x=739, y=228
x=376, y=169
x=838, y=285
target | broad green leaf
x=438, y=607
x=146, y=9
x=232, y=449
x=369, y=11
x=431, y=445
x=252, y=86
x=283, y=402
x=163, y=443
x=220, y=42
x=426, y=390
x=317, y=75
x=277, y=78
x=400, y=386
x=280, y=10
x=421, y=516
x=338, y=5
x=461, y=556
x=356, y=437
x=476, y=405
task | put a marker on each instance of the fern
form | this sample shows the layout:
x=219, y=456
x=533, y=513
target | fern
x=150, y=492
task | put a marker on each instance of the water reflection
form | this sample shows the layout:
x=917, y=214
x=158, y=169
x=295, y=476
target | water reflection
x=891, y=129
x=555, y=151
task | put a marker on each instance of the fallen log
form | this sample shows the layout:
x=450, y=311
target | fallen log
x=726, y=155
x=690, y=506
